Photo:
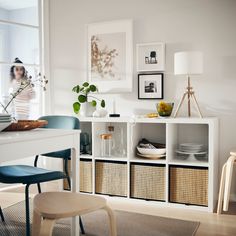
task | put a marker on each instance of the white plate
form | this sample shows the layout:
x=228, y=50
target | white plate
x=191, y=145
x=190, y=153
x=5, y=119
x=154, y=151
x=4, y=125
x=4, y=115
x=151, y=156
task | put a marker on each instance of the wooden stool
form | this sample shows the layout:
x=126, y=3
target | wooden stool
x=225, y=183
x=50, y=206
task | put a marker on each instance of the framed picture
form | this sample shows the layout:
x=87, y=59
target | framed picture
x=150, y=57
x=150, y=86
x=110, y=56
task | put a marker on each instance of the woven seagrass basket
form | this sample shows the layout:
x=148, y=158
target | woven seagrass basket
x=148, y=181
x=189, y=185
x=85, y=176
x=111, y=178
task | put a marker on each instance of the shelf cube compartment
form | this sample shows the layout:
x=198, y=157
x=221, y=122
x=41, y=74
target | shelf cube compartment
x=111, y=178
x=188, y=185
x=148, y=181
x=153, y=132
x=86, y=138
x=192, y=134
x=86, y=176
x=119, y=138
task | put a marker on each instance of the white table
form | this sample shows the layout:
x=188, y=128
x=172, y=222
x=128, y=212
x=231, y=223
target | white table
x=17, y=145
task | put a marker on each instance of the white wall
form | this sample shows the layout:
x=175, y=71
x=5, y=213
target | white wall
x=206, y=25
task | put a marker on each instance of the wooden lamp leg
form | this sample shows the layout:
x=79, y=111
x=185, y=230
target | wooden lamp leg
x=196, y=104
x=189, y=96
x=180, y=104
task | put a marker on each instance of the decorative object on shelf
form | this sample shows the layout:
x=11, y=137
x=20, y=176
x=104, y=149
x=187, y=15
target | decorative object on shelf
x=24, y=84
x=5, y=121
x=152, y=115
x=192, y=152
x=188, y=63
x=85, y=143
x=114, y=114
x=164, y=109
x=86, y=103
x=150, y=57
x=110, y=55
x=100, y=113
x=150, y=86
x=23, y=125
x=106, y=145
x=151, y=150
x=118, y=146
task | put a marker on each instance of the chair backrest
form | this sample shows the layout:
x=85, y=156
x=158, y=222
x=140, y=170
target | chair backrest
x=61, y=122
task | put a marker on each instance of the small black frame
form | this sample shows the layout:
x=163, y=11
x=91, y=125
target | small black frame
x=162, y=85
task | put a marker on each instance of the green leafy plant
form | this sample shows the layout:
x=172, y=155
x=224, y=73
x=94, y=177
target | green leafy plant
x=84, y=94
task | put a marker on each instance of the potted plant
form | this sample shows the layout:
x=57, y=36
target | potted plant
x=86, y=103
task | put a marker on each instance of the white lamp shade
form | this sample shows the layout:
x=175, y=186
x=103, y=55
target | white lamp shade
x=188, y=63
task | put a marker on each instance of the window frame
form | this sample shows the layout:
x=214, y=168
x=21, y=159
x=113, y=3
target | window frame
x=43, y=33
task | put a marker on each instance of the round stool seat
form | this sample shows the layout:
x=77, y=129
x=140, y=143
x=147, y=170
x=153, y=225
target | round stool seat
x=233, y=153
x=56, y=205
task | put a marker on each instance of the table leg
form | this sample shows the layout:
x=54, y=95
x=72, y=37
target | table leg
x=75, y=230
x=112, y=219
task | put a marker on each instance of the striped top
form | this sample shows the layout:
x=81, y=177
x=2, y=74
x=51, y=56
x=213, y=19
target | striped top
x=22, y=101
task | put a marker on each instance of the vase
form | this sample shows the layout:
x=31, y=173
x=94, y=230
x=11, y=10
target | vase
x=87, y=109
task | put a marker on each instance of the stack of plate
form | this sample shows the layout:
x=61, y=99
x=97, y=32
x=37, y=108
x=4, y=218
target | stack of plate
x=192, y=150
x=191, y=147
x=5, y=121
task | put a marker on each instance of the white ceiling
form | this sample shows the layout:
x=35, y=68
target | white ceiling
x=17, y=4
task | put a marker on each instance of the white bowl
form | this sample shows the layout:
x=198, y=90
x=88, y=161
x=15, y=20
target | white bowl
x=4, y=125
x=149, y=151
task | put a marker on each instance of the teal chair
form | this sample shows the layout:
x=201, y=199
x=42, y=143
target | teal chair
x=27, y=175
x=61, y=122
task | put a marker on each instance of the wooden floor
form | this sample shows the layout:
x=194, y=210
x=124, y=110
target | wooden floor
x=210, y=224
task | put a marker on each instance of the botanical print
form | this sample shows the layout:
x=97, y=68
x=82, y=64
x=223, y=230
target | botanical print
x=108, y=56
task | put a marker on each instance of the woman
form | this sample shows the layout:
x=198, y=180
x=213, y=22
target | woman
x=18, y=75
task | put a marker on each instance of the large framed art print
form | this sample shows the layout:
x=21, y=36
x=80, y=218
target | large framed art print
x=110, y=56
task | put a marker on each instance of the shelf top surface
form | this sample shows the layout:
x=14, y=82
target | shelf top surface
x=142, y=119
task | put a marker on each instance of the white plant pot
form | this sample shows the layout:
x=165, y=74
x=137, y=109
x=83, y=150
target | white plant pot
x=87, y=109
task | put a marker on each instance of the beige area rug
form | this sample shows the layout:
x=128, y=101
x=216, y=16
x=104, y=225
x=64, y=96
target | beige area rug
x=96, y=224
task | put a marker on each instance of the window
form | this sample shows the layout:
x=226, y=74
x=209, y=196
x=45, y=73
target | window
x=20, y=34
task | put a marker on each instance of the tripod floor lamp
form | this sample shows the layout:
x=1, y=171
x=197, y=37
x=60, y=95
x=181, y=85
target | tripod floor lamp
x=188, y=63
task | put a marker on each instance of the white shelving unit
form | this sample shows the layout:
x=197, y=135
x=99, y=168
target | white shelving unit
x=172, y=132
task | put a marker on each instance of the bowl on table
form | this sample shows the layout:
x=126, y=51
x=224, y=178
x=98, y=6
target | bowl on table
x=164, y=109
x=23, y=125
